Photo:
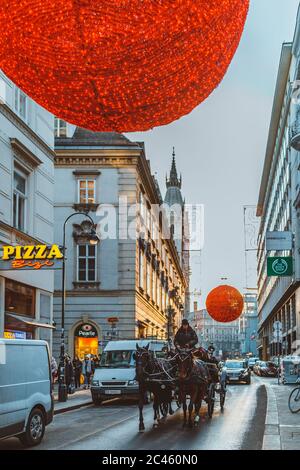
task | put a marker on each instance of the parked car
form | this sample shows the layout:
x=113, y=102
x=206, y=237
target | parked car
x=26, y=398
x=265, y=369
x=116, y=375
x=252, y=361
x=237, y=370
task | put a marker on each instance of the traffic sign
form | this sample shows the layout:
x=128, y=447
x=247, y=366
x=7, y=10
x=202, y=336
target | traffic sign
x=280, y=266
x=277, y=325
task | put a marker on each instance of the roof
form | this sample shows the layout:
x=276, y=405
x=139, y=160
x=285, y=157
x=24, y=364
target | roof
x=173, y=196
x=85, y=138
x=282, y=78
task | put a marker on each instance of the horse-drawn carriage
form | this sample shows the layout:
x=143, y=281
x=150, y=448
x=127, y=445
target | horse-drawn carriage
x=183, y=374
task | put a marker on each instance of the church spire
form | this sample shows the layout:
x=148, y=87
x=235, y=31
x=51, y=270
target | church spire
x=173, y=181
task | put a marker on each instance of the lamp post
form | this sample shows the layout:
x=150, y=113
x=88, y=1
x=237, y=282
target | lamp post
x=62, y=388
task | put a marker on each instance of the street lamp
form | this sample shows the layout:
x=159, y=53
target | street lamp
x=93, y=240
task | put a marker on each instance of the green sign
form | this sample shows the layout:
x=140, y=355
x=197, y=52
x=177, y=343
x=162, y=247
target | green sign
x=280, y=266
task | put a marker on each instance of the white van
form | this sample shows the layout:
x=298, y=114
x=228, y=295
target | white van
x=116, y=375
x=26, y=399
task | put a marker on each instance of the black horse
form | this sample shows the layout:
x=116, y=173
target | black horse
x=155, y=375
x=193, y=378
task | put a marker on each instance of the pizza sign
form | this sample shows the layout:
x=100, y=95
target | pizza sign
x=34, y=257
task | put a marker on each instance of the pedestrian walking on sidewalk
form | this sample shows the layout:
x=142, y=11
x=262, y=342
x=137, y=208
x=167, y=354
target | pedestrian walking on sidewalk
x=77, y=365
x=87, y=371
x=69, y=373
x=53, y=369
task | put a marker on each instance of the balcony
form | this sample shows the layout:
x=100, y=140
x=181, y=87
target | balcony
x=295, y=135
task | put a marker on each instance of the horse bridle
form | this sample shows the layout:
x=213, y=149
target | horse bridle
x=188, y=353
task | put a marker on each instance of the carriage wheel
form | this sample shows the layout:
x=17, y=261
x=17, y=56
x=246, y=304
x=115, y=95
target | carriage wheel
x=164, y=409
x=211, y=400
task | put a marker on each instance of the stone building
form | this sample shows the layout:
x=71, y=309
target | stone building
x=26, y=211
x=123, y=287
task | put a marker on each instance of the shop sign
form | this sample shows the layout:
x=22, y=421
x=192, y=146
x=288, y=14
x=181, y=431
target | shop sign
x=280, y=266
x=35, y=257
x=86, y=331
x=279, y=241
x=14, y=335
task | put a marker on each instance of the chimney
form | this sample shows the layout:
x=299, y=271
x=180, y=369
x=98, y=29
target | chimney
x=195, y=306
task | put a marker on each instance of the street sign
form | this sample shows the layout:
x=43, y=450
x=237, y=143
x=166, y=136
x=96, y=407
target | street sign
x=277, y=338
x=280, y=266
x=277, y=325
x=279, y=241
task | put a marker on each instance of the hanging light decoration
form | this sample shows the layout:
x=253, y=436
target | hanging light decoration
x=119, y=65
x=224, y=304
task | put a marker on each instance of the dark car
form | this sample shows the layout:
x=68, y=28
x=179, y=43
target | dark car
x=265, y=369
x=237, y=370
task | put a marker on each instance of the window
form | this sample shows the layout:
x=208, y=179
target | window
x=21, y=103
x=19, y=298
x=19, y=200
x=141, y=269
x=148, y=278
x=87, y=190
x=60, y=127
x=158, y=302
x=153, y=285
x=86, y=267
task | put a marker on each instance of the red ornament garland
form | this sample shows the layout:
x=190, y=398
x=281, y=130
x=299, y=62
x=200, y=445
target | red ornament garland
x=119, y=65
x=224, y=304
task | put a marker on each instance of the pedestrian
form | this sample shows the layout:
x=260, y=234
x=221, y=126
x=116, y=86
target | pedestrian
x=77, y=366
x=87, y=371
x=69, y=374
x=96, y=361
x=53, y=365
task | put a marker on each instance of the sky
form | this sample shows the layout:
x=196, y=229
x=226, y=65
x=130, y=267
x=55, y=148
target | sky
x=220, y=146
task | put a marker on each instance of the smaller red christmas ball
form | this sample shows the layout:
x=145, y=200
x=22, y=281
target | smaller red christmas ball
x=225, y=304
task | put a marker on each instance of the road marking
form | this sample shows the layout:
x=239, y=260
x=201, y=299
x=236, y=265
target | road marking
x=99, y=431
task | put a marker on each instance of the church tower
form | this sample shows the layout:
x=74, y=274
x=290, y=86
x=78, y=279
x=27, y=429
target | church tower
x=179, y=224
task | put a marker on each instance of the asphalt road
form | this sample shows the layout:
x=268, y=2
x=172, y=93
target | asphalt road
x=114, y=426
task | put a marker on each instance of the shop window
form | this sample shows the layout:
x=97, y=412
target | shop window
x=86, y=341
x=19, y=298
x=86, y=263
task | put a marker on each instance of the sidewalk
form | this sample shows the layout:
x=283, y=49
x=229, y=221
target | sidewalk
x=282, y=430
x=77, y=400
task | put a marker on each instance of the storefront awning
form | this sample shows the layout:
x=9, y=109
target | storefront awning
x=35, y=324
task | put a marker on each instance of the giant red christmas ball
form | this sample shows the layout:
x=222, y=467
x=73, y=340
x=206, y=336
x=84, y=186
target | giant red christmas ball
x=119, y=65
x=224, y=304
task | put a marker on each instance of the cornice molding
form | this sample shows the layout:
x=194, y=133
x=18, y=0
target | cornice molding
x=26, y=130
x=24, y=153
x=71, y=161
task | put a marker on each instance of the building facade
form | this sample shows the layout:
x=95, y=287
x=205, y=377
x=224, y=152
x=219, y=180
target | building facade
x=248, y=322
x=279, y=209
x=223, y=336
x=26, y=211
x=131, y=285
